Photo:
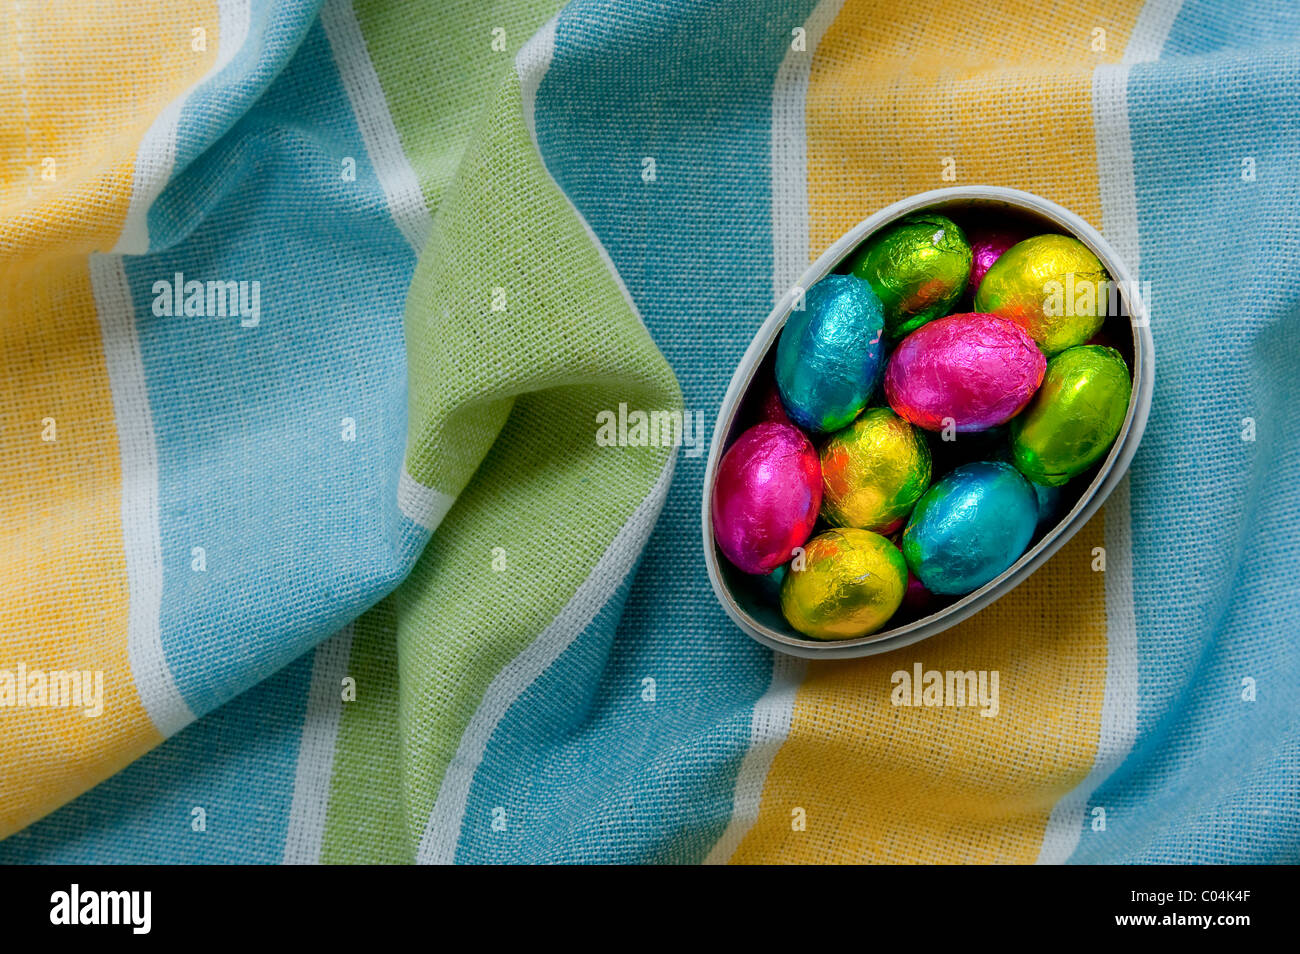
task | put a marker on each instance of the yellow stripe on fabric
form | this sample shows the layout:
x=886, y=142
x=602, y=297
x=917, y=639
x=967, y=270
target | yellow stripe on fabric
x=80, y=83
x=63, y=590
x=1004, y=90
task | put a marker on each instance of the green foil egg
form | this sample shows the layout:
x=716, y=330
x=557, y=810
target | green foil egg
x=1050, y=285
x=1075, y=416
x=918, y=268
x=851, y=583
x=873, y=471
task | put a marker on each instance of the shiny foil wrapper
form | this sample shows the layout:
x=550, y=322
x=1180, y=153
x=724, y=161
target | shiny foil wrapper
x=974, y=370
x=873, y=472
x=918, y=267
x=1050, y=285
x=766, y=496
x=970, y=527
x=829, y=355
x=1075, y=416
x=986, y=247
x=852, y=582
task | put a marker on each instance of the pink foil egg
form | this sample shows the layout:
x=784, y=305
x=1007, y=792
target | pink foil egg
x=766, y=496
x=973, y=371
x=771, y=408
x=987, y=246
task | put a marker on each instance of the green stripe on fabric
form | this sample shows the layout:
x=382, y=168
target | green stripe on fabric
x=439, y=72
x=510, y=396
x=547, y=499
x=439, y=76
x=364, y=822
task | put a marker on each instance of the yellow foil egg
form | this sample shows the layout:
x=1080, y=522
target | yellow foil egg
x=851, y=582
x=873, y=471
x=1050, y=285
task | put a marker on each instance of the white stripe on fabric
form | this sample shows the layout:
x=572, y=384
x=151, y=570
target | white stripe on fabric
x=1118, y=730
x=441, y=834
x=420, y=504
x=767, y=733
x=791, y=254
x=156, y=156
x=141, y=536
x=531, y=64
x=1151, y=31
x=315, y=768
x=423, y=505
x=370, y=108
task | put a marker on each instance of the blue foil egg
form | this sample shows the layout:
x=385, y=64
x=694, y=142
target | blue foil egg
x=970, y=526
x=829, y=358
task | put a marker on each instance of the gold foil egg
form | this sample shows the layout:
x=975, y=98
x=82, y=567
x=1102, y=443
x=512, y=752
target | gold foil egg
x=850, y=583
x=1053, y=286
x=873, y=471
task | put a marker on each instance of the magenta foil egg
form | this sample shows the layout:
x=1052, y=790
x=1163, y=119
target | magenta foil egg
x=987, y=246
x=766, y=496
x=969, y=371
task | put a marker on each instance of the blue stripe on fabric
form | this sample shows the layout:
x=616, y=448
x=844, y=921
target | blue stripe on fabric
x=1214, y=777
x=300, y=527
x=585, y=767
x=275, y=30
x=237, y=765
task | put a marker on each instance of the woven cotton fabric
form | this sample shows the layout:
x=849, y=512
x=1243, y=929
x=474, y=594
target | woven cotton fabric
x=363, y=584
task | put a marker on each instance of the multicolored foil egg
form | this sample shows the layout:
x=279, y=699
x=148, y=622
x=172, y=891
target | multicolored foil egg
x=970, y=527
x=829, y=355
x=873, y=471
x=766, y=495
x=1075, y=416
x=986, y=247
x=970, y=371
x=851, y=583
x=919, y=267
x=1053, y=286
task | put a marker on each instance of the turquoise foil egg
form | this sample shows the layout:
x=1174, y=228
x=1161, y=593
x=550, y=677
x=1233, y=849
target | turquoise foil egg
x=970, y=527
x=829, y=358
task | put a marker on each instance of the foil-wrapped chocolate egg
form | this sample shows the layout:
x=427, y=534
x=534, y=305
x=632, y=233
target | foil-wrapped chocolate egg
x=851, y=583
x=829, y=356
x=969, y=527
x=986, y=247
x=968, y=371
x=766, y=496
x=918, y=267
x=873, y=471
x=1053, y=286
x=1075, y=416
